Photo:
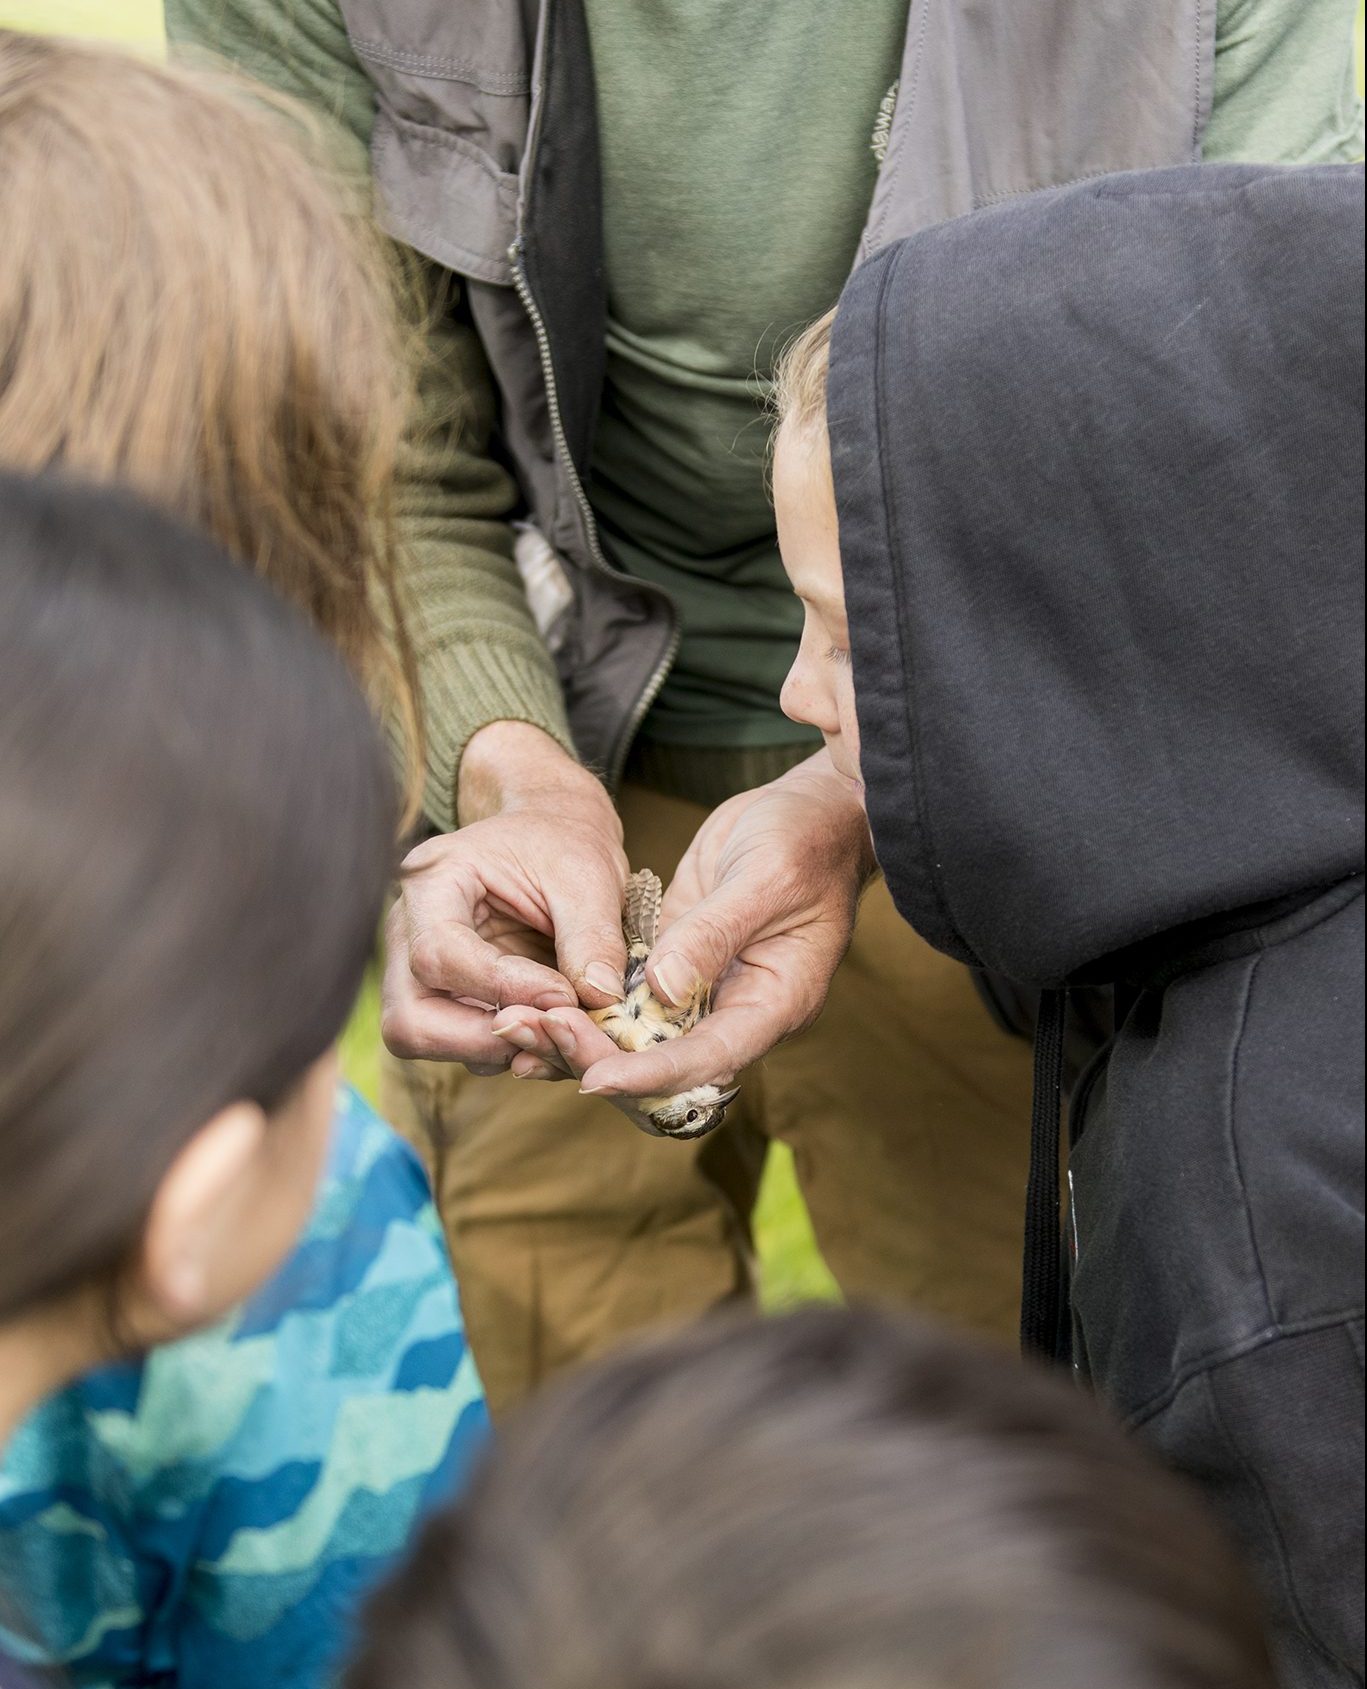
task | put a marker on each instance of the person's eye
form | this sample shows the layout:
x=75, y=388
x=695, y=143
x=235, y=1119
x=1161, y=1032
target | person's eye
x=838, y=654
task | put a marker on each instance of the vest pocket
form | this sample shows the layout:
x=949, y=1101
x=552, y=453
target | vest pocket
x=443, y=196
x=452, y=100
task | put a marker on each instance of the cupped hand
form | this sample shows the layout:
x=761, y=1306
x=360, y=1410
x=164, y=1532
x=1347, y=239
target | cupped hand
x=521, y=906
x=762, y=908
x=576, y=1044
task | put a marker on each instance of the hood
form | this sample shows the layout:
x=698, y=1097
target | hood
x=1099, y=469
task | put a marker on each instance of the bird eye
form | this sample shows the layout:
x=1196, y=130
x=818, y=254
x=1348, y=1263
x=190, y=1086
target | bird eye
x=692, y=1116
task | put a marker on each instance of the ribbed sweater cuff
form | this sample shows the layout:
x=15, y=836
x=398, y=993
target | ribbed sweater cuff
x=470, y=686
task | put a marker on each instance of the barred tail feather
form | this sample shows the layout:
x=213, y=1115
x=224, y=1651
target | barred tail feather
x=641, y=922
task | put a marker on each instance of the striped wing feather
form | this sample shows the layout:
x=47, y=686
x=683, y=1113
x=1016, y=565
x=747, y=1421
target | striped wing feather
x=641, y=921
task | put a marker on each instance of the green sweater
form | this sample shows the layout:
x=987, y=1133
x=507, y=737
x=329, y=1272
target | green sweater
x=738, y=166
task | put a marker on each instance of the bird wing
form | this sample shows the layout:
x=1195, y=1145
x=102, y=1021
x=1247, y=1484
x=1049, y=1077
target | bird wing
x=641, y=921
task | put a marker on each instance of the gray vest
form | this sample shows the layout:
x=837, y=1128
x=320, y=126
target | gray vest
x=486, y=159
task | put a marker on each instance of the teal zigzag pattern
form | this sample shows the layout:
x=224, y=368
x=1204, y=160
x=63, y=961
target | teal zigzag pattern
x=215, y=1514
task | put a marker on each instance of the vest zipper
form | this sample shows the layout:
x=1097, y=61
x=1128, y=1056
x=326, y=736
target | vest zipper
x=660, y=673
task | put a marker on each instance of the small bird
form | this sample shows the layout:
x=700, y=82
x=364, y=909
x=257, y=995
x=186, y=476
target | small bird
x=641, y=1020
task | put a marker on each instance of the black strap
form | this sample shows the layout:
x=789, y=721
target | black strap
x=1044, y=1314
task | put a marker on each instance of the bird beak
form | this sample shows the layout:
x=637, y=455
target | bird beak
x=729, y=1097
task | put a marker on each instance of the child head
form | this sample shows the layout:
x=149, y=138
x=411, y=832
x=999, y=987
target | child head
x=187, y=307
x=820, y=685
x=196, y=835
x=831, y=1501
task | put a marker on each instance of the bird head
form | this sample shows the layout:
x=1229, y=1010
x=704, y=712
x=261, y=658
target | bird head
x=692, y=1114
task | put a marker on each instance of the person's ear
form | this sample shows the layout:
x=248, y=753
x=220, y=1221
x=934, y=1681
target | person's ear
x=200, y=1207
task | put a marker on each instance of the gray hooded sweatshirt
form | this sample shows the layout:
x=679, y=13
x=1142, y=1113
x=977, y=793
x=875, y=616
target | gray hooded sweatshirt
x=1099, y=467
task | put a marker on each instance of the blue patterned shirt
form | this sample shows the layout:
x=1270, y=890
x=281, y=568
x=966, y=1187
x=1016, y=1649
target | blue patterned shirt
x=212, y=1516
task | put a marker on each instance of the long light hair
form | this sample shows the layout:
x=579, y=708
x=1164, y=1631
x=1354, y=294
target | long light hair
x=190, y=306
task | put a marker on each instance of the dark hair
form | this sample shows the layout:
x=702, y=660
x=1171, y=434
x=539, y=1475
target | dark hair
x=197, y=827
x=830, y=1501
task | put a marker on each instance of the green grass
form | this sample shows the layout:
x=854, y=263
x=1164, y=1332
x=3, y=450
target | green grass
x=791, y=1268
x=361, y=1043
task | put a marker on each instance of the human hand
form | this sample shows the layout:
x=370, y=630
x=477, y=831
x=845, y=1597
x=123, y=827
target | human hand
x=560, y=1044
x=521, y=906
x=763, y=905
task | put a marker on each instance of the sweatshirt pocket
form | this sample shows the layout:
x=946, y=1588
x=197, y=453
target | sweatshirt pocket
x=1275, y=1436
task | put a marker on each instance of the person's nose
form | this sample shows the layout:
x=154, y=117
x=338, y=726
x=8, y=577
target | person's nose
x=803, y=699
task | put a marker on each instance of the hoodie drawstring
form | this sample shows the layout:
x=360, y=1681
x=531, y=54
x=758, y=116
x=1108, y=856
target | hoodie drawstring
x=1045, y=1316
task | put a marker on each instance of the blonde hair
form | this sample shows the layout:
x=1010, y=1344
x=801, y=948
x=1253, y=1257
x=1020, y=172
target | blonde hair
x=189, y=306
x=802, y=379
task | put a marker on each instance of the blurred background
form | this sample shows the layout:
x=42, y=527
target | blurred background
x=791, y=1267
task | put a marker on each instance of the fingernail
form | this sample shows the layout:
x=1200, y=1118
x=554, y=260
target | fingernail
x=599, y=1091
x=605, y=979
x=564, y=1035
x=522, y=1036
x=675, y=979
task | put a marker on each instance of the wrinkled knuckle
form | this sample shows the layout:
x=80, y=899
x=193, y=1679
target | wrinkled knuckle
x=423, y=856
x=715, y=936
x=724, y=1057
x=503, y=978
x=426, y=957
x=398, y=1037
x=597, y=940
x=592, y=862
x=465, y=879
x=672, y=1074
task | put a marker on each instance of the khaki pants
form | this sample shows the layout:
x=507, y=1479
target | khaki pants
x=907, y=1110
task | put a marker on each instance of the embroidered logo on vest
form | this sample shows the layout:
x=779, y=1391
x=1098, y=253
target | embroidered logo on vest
x=882, y=130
